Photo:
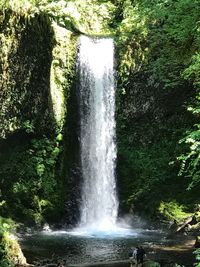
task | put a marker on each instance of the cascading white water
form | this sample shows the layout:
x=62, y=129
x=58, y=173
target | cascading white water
x=97, y=133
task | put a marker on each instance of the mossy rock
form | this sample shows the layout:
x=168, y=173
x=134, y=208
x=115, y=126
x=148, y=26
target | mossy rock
x=10, y=250
x=151, y=264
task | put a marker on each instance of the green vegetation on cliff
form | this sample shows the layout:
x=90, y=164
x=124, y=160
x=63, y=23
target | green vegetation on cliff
x=33, y=187
x=158, y=78
x=10, y=251
x=37, y=75
x=37, y=70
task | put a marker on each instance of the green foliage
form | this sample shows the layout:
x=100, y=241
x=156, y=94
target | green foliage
x=6, y=225
x=28, y=126
x=147, y=176
x=158, y=41
x=10, y=251
x=173, y=210
x=29, y=179
x=197, y=256
x=190, y=160
x=193, y=71
x=164, y=33
x=180, y=26
x=90, y=16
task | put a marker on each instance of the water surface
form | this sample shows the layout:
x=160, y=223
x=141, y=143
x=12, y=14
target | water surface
x=80, y=247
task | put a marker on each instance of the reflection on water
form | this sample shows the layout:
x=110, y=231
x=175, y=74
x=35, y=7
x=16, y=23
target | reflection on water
x=79, y=248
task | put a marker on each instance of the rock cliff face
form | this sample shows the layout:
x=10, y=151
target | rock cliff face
x=39, y=158
x=151, y=119
x=150, y=124
x=35, y=62
x=26, y=57
x=36, y=76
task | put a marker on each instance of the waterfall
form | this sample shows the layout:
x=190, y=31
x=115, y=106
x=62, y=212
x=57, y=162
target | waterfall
x=97, y=133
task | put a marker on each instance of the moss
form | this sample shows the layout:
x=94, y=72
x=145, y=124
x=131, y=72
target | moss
x=88, y=17
x=10, y=251
x=37, y=72
x=24, y=78
x=172, y=210
x=92, y=17
x=62, y=72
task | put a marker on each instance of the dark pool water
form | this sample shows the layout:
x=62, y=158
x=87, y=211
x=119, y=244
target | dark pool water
x=76, y=247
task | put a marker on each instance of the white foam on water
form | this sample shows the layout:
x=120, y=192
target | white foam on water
x=97, y=233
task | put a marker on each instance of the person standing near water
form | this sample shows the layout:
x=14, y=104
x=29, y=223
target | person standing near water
x=133, y=256
x=140, y=255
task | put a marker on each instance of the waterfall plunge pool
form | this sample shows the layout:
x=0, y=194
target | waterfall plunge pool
x=81, y=246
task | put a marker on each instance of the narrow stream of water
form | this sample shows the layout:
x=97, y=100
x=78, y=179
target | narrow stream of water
x=97, y=134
